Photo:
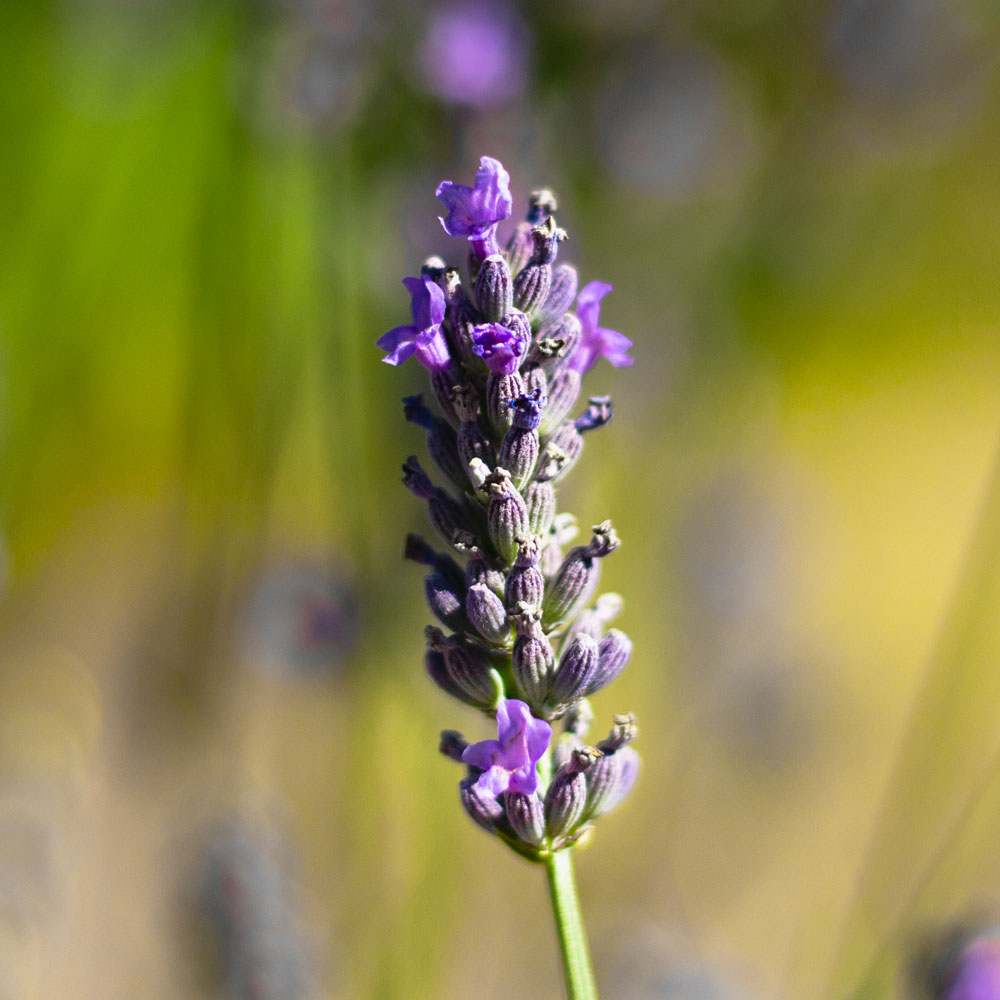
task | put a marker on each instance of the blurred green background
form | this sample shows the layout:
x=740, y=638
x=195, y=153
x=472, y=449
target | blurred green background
x=218, y=745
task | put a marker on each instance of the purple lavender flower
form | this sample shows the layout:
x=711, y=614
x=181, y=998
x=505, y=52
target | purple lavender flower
x=978, y=974
x=508, y=762
x=424, y=337
x=500, y=347
x=474, y=212
x=595, y=341
x=475, y=53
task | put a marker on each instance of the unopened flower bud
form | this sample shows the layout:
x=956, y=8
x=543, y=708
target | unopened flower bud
x=561, y=453
x=563, y=392
x=531, y=286
x=445, y=602
x=479, y=570
x=577, y=577
x=494, y=289
x=453, y=744
x=461, y=331
x=540, y=499
x=443, y=384
x=566, y=797
x=533, y=661
x=562, y=292
x=532, y=282
x=447, y=514
x=467, y=667
x=450, y=519
x=577, y=666
x=592, y=620
x=599, y=412
x=610, y=780
x=525, y=582
x=472, y=441
x=441, y=439
x=519, y=449
x=526, y=816
x=520, y=246
x=416, y=480
x=437, y=670
x=501, y=391
x=519, y=455
x=487, y=614
x=484, y=809
x=614, y=651
x=507, y=514
x=418, y=551
x=520, y=325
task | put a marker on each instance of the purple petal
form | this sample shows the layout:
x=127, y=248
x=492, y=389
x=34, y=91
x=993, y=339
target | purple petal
x=588, y=303
x=500, y=347
x=613, y=347
x=400, y=342
x=474, y=212
x=539, y=734
x=524, y=738
x=493, y=782
x=524, y=781
x=432, y=349
x=494, y=183
x=509, y=761
x=426, y=301
x=481, y=754
x=978, y=975
x=584, y=357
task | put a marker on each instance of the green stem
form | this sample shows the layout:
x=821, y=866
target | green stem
x=580, y=984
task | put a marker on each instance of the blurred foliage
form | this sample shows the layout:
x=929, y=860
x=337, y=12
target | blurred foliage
x=207, y=209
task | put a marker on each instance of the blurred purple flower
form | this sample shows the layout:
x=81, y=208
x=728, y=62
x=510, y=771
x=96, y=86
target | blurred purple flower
x=475, y=53
x=424, y=337
x=978, y=971
x=596, y=341
x=508, y=762
x=299, y=622
x=501, y=348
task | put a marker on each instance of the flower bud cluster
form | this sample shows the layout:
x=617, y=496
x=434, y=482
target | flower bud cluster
x=520, y=635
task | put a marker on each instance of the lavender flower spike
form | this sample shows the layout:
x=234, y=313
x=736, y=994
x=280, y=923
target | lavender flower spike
x=525, y=647
x=508, y=762
x=424, y=337
x=474, y=212
x=595, y=341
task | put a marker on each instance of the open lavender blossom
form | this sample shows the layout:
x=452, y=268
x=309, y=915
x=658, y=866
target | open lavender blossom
x=501, y=348
x=423, y=337
x=596, y=341
x=474, y=211
x=509, y=761
x=529, y=640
